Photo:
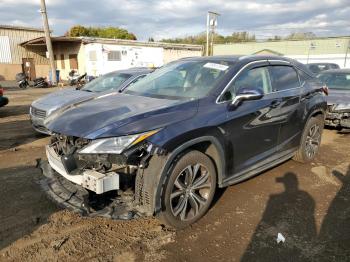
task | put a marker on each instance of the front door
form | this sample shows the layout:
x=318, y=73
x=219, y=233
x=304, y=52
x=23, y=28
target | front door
x=252, y=132
x=28, y=67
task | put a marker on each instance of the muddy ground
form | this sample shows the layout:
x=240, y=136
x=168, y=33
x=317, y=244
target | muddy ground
x=308, y=204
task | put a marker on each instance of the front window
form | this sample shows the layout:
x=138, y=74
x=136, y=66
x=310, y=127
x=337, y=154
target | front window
x=182, y=80
x=253, y=79
x=106, y=82
x=336, y=80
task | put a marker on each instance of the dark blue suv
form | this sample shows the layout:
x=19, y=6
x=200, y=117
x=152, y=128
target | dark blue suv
x=163, y=146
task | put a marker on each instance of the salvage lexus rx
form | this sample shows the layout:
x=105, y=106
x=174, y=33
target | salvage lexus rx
x=164, y=145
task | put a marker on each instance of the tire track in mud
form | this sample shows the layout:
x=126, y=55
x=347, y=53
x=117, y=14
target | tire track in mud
x=70, y=237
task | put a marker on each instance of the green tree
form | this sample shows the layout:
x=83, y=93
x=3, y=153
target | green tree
x=300, y=36
x=201, y=38
x=78, y=30
x=103, y=32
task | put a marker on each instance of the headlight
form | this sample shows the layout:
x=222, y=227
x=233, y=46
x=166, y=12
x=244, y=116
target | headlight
x=115, y=145
x=342, y=107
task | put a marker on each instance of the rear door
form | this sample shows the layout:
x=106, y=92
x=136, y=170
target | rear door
x=287, y=110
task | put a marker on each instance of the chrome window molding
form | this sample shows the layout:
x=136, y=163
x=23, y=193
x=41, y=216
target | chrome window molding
x=247, y=65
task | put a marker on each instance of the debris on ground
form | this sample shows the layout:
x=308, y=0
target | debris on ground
x=280, y=238
x=56, y=244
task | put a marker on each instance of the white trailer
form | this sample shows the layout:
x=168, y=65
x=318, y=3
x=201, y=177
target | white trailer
x=104, y=58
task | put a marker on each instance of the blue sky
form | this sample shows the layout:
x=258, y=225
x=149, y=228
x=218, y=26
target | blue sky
x=164, y=18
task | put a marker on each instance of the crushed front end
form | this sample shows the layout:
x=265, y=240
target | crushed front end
x=95, y=184
x=338, y=116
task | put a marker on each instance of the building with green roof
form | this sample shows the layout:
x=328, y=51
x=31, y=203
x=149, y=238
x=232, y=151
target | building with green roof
x=319, y=50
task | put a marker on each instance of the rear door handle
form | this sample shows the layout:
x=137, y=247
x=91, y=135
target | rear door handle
x=275, y=103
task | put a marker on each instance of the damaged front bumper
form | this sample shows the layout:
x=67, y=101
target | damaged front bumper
x=113, y=186
x=88, y=193
x=78, y=199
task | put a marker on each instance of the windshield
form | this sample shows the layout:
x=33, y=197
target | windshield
x=106, y=82
x=336, y=81
x=182, y=80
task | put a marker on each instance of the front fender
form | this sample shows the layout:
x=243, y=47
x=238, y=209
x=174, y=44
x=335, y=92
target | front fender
x=151, y=180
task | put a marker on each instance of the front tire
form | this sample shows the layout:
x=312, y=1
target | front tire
x=189, y=190
x=310, y=140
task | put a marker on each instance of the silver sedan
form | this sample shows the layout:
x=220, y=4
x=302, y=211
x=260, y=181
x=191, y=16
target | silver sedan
x=109, y=83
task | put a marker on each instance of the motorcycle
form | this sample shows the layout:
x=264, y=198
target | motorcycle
x=22, y=80
x=75, y=79
x=40, y=82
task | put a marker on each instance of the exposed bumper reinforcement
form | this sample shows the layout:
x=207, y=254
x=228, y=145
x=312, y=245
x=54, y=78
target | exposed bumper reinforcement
x=89, y=179
x=76, y=198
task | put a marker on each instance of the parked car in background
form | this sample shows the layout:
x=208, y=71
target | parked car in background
x=108, y=83
x=164, y=145
x=3, y=100
x=338, y=82
x=319, y=67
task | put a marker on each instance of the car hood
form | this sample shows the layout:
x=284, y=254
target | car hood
x=61, y=98
x=120, y=114
x=337, y=96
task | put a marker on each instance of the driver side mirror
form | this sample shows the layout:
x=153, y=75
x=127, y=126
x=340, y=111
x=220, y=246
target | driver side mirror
x=246, y=94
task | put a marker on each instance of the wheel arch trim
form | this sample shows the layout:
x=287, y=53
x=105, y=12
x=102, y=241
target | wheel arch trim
x=221, y=166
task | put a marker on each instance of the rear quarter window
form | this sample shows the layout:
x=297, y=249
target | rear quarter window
x=305, y=77
x=283, y=78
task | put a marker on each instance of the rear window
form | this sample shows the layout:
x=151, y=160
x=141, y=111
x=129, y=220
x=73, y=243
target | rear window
x=283, y=78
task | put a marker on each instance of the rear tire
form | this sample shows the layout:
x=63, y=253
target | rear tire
x=188, y=190
x=23, y=85
x=310, y=140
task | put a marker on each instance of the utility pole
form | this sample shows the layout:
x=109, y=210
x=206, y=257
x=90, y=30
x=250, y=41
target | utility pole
x=211, y=25
x=48, y=42
x=312, y=46
x=208, y=21
x=346, y=53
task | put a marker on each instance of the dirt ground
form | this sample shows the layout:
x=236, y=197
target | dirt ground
x=309, y=205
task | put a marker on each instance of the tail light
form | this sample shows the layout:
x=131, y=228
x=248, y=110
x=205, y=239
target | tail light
x=1, y=91
x=325, y=90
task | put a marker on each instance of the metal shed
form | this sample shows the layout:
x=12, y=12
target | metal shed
x=14, y=58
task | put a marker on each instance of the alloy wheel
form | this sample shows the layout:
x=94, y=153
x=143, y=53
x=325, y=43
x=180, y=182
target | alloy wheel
x=190, y=192
x=313, y=141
